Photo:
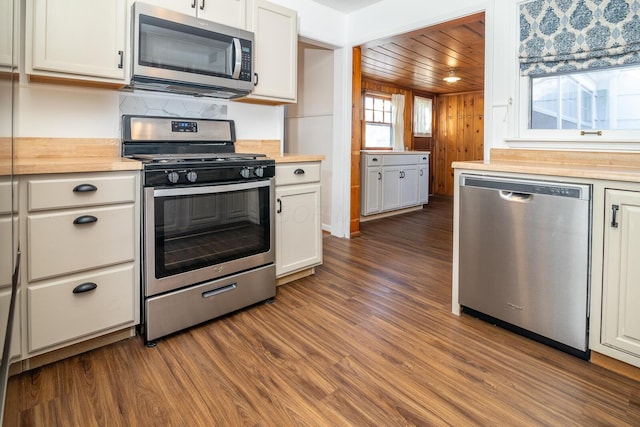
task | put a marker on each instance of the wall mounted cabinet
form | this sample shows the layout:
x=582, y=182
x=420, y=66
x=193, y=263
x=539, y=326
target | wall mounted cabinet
x=77, y=40
x=227, y=12
x=276, y=52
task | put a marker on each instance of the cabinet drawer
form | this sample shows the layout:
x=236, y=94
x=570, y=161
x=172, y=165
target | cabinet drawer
x=56, y=314
x=297, y=173
x=423, y=158
x=58, y=246
x=81, y=190
x=400, y=159
x=373, y=160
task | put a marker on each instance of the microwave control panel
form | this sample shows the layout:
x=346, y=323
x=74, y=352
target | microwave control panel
x=246, y=73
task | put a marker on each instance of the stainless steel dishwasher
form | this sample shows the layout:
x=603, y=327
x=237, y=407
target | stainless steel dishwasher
x=524, y=252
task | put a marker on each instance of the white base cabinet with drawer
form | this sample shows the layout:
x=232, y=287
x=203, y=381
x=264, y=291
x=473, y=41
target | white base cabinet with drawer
x=80, y=275
x=298, y=226
x=393, y=181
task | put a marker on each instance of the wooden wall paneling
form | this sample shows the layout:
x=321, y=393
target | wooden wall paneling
x=459, y=135
x=453, y=134
x=478, y=135
x=356, y=142
x=440, y=154
x=467, y=151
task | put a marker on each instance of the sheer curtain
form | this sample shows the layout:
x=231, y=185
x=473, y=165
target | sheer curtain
x=397, y=121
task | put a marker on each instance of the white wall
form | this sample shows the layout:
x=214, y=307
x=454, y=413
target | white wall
x=309, y=123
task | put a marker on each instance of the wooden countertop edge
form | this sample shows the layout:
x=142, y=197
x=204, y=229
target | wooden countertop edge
x=294, y=158
x=71, y=165
x=631, y=174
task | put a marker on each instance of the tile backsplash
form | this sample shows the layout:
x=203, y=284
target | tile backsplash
x=152, y=104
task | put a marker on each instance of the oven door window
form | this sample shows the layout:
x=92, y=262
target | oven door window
x=199, y=230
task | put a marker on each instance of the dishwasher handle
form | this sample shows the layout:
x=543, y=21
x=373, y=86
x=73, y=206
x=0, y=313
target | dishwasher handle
x=513, y=196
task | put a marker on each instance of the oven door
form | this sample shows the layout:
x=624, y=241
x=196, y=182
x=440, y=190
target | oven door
x=195, y=234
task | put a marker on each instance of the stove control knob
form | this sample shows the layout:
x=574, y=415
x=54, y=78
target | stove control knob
x=259, y=171
x=192, y=176
x=173, y=177
x=245, y=172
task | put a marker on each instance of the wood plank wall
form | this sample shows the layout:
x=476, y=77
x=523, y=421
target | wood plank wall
x=459, y=135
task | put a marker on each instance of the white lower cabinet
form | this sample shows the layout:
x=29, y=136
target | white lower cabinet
x=80, y=274
x=621, y=272
x=298, y=226
x=393, y=181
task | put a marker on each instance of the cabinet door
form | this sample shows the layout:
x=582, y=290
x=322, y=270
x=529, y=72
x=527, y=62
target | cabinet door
x=276, y=52
x=227, y=12
x=409, y=186
x=423, y=184
x=81, y=38
x=298, y=228
x=391, y=187
x=188, y=7
x=372, y=201
x=5, y=299
x=621, y=287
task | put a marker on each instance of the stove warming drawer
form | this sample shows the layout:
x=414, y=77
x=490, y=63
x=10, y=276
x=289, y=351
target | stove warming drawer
x=177, y=310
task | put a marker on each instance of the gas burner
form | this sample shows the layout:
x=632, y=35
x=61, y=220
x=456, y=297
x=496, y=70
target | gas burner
x=197, y=157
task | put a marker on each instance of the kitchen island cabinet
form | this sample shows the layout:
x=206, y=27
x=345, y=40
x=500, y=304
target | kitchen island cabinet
x=614, y=322
x=298, y=227
x=77, y=40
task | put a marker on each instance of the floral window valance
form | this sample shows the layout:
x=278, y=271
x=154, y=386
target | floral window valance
x=569, y=35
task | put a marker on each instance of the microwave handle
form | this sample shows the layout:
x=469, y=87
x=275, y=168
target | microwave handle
x=238, y=55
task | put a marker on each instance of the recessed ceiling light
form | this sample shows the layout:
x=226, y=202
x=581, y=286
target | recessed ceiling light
x=451, y=77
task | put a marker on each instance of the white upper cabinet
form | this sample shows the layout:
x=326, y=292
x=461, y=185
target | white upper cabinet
x=7, y=46
x=276, y=52
x=82, y=40
x=227, y=12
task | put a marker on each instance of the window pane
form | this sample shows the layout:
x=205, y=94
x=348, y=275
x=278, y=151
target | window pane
x=368, y=103
x=377, y=136
x=378, y=116
x=603, y=99
x=368, y=115
x=422, y=116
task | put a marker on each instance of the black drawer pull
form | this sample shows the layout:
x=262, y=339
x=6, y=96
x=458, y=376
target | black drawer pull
x=84, y=188
x=84, y=287
x=85, y=219
x=298, y=172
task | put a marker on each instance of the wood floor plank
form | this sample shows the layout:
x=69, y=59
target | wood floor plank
x=369, y=340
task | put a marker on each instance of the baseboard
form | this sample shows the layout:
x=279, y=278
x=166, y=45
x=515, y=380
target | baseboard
x=615, y=365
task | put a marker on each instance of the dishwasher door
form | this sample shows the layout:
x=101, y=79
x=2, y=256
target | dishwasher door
x=524, y=252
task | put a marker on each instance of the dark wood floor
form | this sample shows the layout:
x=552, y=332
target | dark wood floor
x=368, y=341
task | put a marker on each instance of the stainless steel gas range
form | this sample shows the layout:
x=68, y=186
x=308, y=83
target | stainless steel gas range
x=208, y=228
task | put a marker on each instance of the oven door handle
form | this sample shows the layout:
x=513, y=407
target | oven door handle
x=210, y=189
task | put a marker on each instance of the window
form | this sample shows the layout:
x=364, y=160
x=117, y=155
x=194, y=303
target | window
x=422, y=116
x=604, y=99
x=377, y=117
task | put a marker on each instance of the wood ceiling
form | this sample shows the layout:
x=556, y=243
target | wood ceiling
x=420, y=59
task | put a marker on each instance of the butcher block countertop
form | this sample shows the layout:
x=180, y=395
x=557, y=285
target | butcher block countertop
x=615, y=166
x=68, y=155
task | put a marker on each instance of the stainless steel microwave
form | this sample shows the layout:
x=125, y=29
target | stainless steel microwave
x=174, y=52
